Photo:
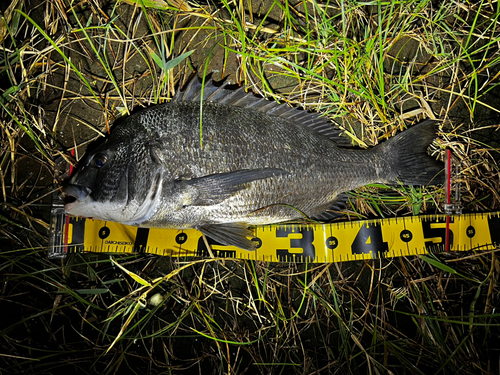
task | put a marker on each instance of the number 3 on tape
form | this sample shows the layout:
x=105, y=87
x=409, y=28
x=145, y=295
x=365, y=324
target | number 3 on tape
x=305, y=243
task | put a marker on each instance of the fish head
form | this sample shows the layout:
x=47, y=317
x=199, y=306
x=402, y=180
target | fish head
x=118, y=181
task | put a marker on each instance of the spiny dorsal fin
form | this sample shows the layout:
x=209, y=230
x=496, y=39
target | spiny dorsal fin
x=237, y=96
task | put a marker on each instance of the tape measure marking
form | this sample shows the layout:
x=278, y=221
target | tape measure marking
x=335, y=242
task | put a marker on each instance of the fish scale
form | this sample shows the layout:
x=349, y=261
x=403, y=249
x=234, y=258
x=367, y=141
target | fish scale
x=260, y=163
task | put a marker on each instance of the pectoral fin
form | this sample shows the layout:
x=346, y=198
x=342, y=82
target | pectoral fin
x=230, y=234
x=215, y=188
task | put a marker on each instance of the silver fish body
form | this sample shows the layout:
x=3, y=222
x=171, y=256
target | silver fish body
x=255, y=162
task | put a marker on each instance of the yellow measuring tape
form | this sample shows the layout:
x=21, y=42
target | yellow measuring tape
x=319, y=243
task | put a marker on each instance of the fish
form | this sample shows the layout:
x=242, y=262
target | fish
x=248, y=162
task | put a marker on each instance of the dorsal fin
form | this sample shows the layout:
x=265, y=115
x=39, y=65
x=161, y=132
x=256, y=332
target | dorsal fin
x=237, y=96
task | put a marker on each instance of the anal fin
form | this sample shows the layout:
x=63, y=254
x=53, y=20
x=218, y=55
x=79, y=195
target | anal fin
x=334, y=210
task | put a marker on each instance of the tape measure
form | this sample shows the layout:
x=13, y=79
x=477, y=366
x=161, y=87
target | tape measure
x=318, y=243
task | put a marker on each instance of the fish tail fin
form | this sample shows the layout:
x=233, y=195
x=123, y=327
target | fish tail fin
x=407, y=153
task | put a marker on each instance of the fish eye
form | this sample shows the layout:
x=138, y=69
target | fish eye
x=99, y=160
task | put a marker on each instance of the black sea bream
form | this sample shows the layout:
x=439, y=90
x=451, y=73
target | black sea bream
x=260, y=163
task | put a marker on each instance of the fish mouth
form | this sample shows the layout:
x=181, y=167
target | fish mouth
x=74, y=194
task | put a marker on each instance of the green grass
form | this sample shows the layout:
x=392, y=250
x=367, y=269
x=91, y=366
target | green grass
x=69, y=70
